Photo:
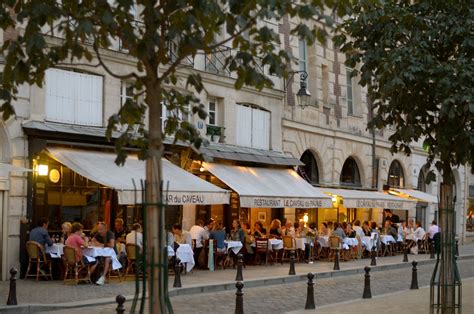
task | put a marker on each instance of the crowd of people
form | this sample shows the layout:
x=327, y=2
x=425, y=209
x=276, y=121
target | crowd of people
x=100, y=236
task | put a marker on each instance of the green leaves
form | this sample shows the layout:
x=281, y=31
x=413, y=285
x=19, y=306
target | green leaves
x=417, y=62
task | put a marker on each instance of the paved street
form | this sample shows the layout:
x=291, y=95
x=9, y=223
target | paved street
x=291, y=297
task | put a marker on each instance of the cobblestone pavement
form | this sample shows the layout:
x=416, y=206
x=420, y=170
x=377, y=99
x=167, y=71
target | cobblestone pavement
x=291, y=297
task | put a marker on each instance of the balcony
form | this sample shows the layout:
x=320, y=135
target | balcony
x=173, y=55
x=215, y=133
x=215, y=62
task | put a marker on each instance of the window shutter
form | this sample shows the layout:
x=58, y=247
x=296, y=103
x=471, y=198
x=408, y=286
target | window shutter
x=244, y=126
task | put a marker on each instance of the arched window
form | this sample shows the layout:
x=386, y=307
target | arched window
x=310, y=169
x=350, y=174
x=395, y=175
x=421, y=182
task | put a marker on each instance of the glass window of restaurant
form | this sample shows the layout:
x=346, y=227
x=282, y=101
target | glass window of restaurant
x=61, y=194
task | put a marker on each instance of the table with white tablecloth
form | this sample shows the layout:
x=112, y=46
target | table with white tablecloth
x=185, y=254
x=323, y=241
x=368, y=242
x=92, y=252
x=387, y=239
x=300, y=243
x=274, y=244
x=352, y=242
x=235, y=246
x=55, y=251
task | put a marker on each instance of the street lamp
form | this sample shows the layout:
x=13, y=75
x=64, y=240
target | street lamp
x=303, y=96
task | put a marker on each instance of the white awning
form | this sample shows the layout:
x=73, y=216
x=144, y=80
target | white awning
x=416, y=195
x=269, y=188
x=370, y=199
x=183, y=187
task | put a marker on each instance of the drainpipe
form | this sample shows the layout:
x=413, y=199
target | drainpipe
x=374, y=169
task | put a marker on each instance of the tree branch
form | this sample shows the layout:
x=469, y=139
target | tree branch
x=107, y=69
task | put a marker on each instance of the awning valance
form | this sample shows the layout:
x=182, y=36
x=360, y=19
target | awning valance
x=269, y=187
x=370, y=199
x=416, y=195
x=183, y=187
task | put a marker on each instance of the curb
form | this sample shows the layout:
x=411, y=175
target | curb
x=225, y=286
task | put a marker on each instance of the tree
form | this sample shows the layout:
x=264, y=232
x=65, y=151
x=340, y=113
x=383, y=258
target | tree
x=159, y=36
x=416, y=59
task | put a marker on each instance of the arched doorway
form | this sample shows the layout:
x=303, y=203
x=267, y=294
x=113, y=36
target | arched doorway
x=421, y=207
x=350, y=174
x=396, y=176
x=309, y=171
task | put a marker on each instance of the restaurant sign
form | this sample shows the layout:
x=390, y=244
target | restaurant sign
x=277, y=202
x=179, y=198
x=378, y=203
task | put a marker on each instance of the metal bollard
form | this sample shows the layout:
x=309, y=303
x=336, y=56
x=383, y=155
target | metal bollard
x=120, y=299
x=12, y=293
x=292, y=263
x=432, y=249
x=367, y=293
x=177, y=273
x=336, y=261
x=240, y=262
x=414, y=276
x=405, y=253
x=239, y=298
x=373, y=261
x=310, y=293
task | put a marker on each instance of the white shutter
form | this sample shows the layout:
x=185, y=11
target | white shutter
x=73, y=98
x=260, y=129
x=244, y=126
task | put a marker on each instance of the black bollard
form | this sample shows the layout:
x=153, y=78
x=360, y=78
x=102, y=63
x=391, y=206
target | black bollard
x=239, y=298
x=405, y=253
x=336, y=261
x=177, y=273
x=310, y=295
x=373, y=261
x=432, y=249
x=120, y=299
x=292, y=263
x=456, y=252
x=240, y=262
x=414, y=277
x=12, y=293
x=367, y=293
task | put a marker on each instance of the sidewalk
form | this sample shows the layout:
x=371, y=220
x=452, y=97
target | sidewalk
x=411, y=301
x=200, y=281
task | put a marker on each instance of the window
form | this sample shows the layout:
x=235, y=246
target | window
x=303, y=55
x=175, y=112
x=212, y=112
x=253, y=127
x=395, y=175
x=126, y=92
x=350, y=173
x=73, y=97
x=310, y=169
x=350, y=92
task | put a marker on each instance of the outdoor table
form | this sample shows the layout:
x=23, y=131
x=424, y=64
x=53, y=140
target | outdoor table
x=235, y=246
x=368, y=242
x=323, y=241
x=387, y=239
x=351, y=242
x=92, y=252
x=185, y=254
x=274, y=244
x=300, y=243
x=56, y=250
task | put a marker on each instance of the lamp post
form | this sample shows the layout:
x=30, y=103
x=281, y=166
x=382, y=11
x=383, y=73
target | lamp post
x=303, y=96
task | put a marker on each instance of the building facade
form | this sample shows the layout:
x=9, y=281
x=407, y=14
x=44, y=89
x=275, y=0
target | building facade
x=330, y=136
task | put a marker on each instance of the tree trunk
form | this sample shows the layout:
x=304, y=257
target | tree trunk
x=447, y=262
x=155, y=233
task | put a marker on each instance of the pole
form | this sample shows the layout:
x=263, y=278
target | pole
x=239, y=298
x=336, y=261
x=12, y=293
x=414, y=277
x=373, y=261
x=120, y=299
x=292, y=263
x=405, y=253
x=240, y=262
x=310, y=293
x=177, y=274
x=367, y=293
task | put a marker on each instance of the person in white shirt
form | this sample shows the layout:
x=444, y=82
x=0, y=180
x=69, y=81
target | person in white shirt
x=135, y=236
x=358, y=229
x=199, y=235
x=433, y=229
x=419, y=232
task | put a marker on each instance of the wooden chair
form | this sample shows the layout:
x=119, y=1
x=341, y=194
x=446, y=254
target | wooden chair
x=423, y=245
x=334, y=246
x=360, y=248
x=289, y=244
x=262, y=248
x=74, y=267
x=37, y=255
x=219, y=255
x=132, y=253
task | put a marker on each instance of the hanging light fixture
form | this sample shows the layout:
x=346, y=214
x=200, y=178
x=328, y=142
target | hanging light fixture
x=303, y=96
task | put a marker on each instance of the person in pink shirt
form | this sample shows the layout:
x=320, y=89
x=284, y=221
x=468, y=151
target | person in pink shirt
x=76, y=241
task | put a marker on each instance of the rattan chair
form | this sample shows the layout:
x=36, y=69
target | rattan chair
x=36, y=255
x=132, y=253
x=334, y=246
x=75, y=268
x=289, y=244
